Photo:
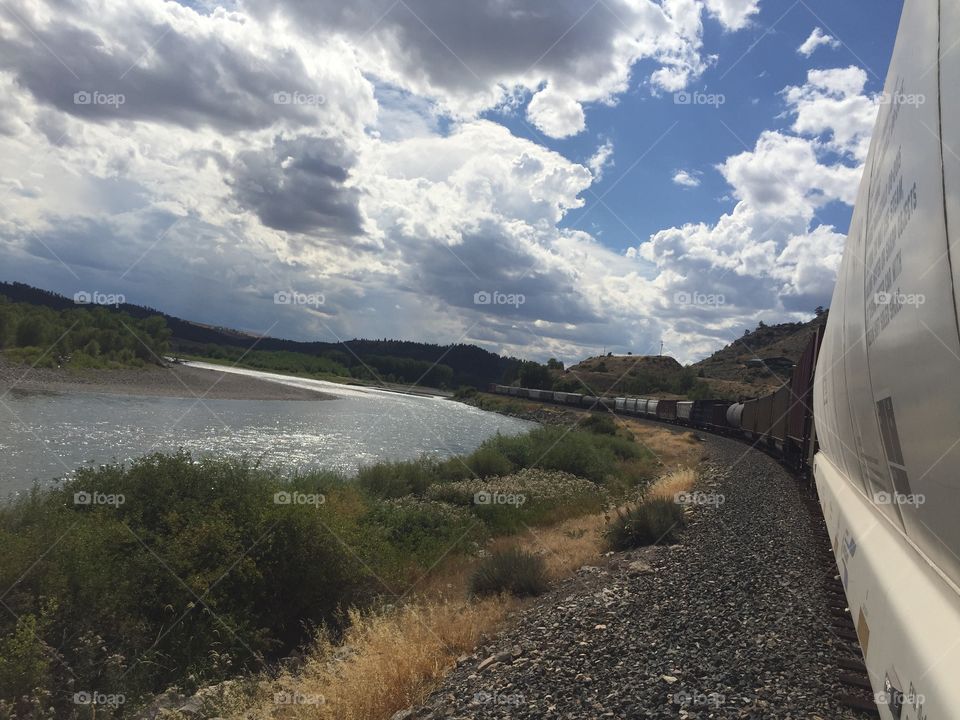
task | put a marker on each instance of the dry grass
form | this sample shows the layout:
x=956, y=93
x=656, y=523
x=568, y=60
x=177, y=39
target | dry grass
x=673, y=449
x=386, y=662
x=667, y=487
x=565, y=547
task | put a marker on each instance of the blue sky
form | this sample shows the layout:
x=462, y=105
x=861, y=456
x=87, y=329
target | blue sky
x=522, y=175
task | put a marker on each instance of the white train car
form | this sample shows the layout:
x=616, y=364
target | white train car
x=886, y=396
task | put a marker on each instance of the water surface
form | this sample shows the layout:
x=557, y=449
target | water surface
x=44, y=436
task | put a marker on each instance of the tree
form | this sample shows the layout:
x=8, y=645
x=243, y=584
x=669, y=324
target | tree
x=818, y=311
x=534, y=375
x=554, y=364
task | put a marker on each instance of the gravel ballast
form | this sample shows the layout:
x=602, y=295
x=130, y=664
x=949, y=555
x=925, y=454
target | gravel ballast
x=731, y=623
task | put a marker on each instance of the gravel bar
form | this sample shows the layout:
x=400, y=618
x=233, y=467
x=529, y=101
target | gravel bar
x=180, y=381
x=731, y=623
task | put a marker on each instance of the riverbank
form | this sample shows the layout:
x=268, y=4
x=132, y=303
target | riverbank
x=175, y=381
x=179, y=573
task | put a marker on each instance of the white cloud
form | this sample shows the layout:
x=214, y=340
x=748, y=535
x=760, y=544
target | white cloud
x=832, y=103
x=203, y=196
x=555, y=114
x=733, y=14
x=686, y=179
x=817, y=39
x=601, y=160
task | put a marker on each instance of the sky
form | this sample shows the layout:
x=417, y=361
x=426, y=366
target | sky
x=543, y=178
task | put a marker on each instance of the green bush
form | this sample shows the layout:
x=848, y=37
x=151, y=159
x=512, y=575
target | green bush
x=422, y=531
x=653, y=522
x=201, y=572
x=396, y=479
x=530, y=497
x=513, y=571
x=601, y=423
x=488, y=462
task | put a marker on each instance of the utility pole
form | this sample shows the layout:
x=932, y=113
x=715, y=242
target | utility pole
x=661, y=348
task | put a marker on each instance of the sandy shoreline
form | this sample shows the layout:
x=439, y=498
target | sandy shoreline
x=175, y=381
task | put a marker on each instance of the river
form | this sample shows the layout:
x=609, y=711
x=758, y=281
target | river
x=46, y=435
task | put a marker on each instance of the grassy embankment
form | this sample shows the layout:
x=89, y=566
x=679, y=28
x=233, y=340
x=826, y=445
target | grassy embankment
x=203, y=572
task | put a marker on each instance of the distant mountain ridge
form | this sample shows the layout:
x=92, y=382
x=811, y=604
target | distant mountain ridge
x=470, y=365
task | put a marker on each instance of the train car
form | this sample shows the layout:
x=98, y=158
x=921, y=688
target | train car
x=513, y=391
x=589, y=401
x=547, y=395
x=667, y=410
x=630, y=406
x=779, y=413
x=748, y=422
x=886, y=396
x=735, y=416
x=652, y=407
x=642, y=406
x=619, y=404
x=684, y=411
x=800, y=418
x=711, y=414
x=764, y=417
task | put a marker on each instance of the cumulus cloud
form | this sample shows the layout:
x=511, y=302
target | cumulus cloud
x=252, y=153
x=686, y=179
x=770, y=253
x=817, y=39
x=601, y=160
x=833, y=104
x=557, y=115
x=733, y=14
x=560, y=53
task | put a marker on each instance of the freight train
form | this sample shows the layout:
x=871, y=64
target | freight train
x=873, y=407
x=780, y=423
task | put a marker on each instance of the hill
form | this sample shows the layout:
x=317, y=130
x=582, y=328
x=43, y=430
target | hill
x=786, y=340
x=629, y=374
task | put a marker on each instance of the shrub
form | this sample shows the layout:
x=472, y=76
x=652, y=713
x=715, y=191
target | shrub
x=488, y=462
x=513, y=571
x=600, y=423
x=419, y=531
x=530, y=497
x=199, y=573
x=653, y=522
x=396, y=479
